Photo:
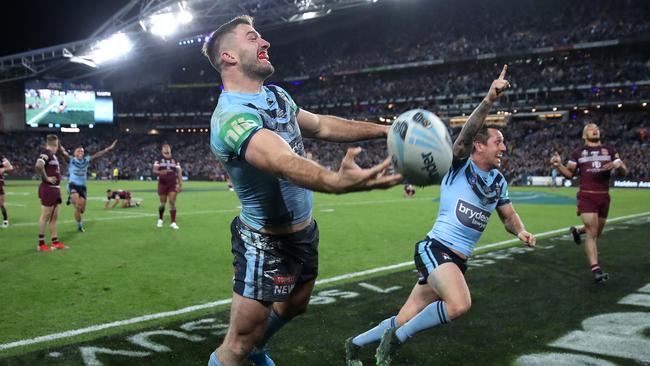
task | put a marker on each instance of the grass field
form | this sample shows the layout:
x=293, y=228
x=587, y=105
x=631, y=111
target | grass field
x=123, y=267
x=78, y=111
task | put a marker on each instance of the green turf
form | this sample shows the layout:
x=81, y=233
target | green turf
x=125, y=267
x=523, y=300
x=80, y=112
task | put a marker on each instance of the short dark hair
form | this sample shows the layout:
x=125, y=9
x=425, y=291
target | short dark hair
x=108, y=190
x=482, y=135
x=211, y=46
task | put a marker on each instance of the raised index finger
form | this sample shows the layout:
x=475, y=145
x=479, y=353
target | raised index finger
x=502, y=76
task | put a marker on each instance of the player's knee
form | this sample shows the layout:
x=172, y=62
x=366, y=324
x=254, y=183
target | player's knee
x=458, y=308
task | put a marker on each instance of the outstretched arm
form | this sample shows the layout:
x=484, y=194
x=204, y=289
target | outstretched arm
x=269, y=152
x=101, y=153
x=465, y=140
x=513, y=224
x=331, y=128
x=64, y=152
x=567, y=171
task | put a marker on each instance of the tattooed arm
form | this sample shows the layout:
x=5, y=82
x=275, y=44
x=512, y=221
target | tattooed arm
x=465, y=140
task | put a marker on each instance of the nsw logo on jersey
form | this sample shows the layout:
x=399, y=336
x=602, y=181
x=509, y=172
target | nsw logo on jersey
x=237, y=128
x=471, y=216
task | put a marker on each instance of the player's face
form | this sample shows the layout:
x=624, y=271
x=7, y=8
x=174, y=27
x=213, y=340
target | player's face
x=495, y=148
x=253, y=54
x=79, y=153
x=591, y=133
x=167, y=151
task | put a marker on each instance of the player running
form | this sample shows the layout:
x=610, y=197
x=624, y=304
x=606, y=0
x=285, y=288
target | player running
x=594, y=162
x=121, y=196
x=170, y=184
x=49, y=192
x=5, y=167
x=256, y=133
x=471, y=190
x=78, y=173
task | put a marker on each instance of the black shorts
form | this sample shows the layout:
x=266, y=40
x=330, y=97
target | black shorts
x=80, y=190
x=430, y=253
x=267, y=267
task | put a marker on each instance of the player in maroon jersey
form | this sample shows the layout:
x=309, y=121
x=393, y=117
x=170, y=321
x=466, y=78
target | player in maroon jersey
x=5, y=166
x=170, y=183
x=595, y=163
x=47, y=166
x=121, y=196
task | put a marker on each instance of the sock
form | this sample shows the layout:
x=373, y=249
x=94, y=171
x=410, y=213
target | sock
x=431, y=316
x=596, y=269
x=214, y=360
x=374, y=334
x=4, y=213
x=161, y=211
x=55, y=240
x=172, y=213
x=274, y=323
x=80, y=224
x=41, y=239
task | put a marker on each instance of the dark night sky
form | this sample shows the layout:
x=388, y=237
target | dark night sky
x=28, y=25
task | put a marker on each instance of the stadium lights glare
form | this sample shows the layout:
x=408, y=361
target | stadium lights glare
x=644, y=104
x=165, y=24
x=113, y=47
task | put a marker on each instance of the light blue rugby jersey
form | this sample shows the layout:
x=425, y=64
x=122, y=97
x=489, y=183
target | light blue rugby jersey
x=468, y=196
x=266, y=200
x=78, y=170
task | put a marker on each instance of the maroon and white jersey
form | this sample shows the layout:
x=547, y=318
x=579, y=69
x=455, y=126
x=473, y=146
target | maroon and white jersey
x=119, y=194
x=51, y=167
x=168, y=170
x=590, y=161
x=2, y=163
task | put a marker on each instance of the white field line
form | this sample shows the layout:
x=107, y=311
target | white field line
x=189, y=309
x=39, y=115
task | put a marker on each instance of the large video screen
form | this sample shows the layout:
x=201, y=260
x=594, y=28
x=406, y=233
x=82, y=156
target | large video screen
x=61, y=104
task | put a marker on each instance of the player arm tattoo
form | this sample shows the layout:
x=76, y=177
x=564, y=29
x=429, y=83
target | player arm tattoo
x=40, y=168
x=464, y=141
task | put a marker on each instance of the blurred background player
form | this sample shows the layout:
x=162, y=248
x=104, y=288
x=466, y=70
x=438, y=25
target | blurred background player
x=257, y=134
x=594, y=163
x=121, y=196
x=170, y=183
x=78, y=173
x=49, y=192
x=5, y=166
x=409, y=190
x=469, y=193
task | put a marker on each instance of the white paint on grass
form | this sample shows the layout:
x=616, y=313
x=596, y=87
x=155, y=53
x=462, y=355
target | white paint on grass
x=189, y=309
x=89, y=354
x=144, y=339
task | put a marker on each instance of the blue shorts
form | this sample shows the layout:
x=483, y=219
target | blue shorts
x=430, y=253
x=75, y=188
x=267, y=267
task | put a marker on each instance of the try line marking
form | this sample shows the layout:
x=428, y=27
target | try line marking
x=189, y=309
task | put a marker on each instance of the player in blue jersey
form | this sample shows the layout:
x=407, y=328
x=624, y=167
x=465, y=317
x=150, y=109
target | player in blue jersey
x=78, y=172
x=256, y=133
x=471, y=190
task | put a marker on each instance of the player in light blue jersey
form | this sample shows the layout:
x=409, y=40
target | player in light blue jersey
x=78, y=173
x=256, y=133
x=469, y=193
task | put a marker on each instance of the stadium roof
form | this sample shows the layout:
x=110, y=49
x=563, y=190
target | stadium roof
x=148, y=26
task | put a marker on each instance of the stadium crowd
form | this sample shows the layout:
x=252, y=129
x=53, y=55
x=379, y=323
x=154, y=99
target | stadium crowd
x=530, y=144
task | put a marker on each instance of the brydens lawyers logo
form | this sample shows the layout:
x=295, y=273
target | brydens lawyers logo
x=471, y=216
x=446, y=256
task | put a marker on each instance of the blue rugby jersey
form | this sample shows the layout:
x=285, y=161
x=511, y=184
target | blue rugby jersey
x=468, y=196
x=78, y=170
x=266, y=200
